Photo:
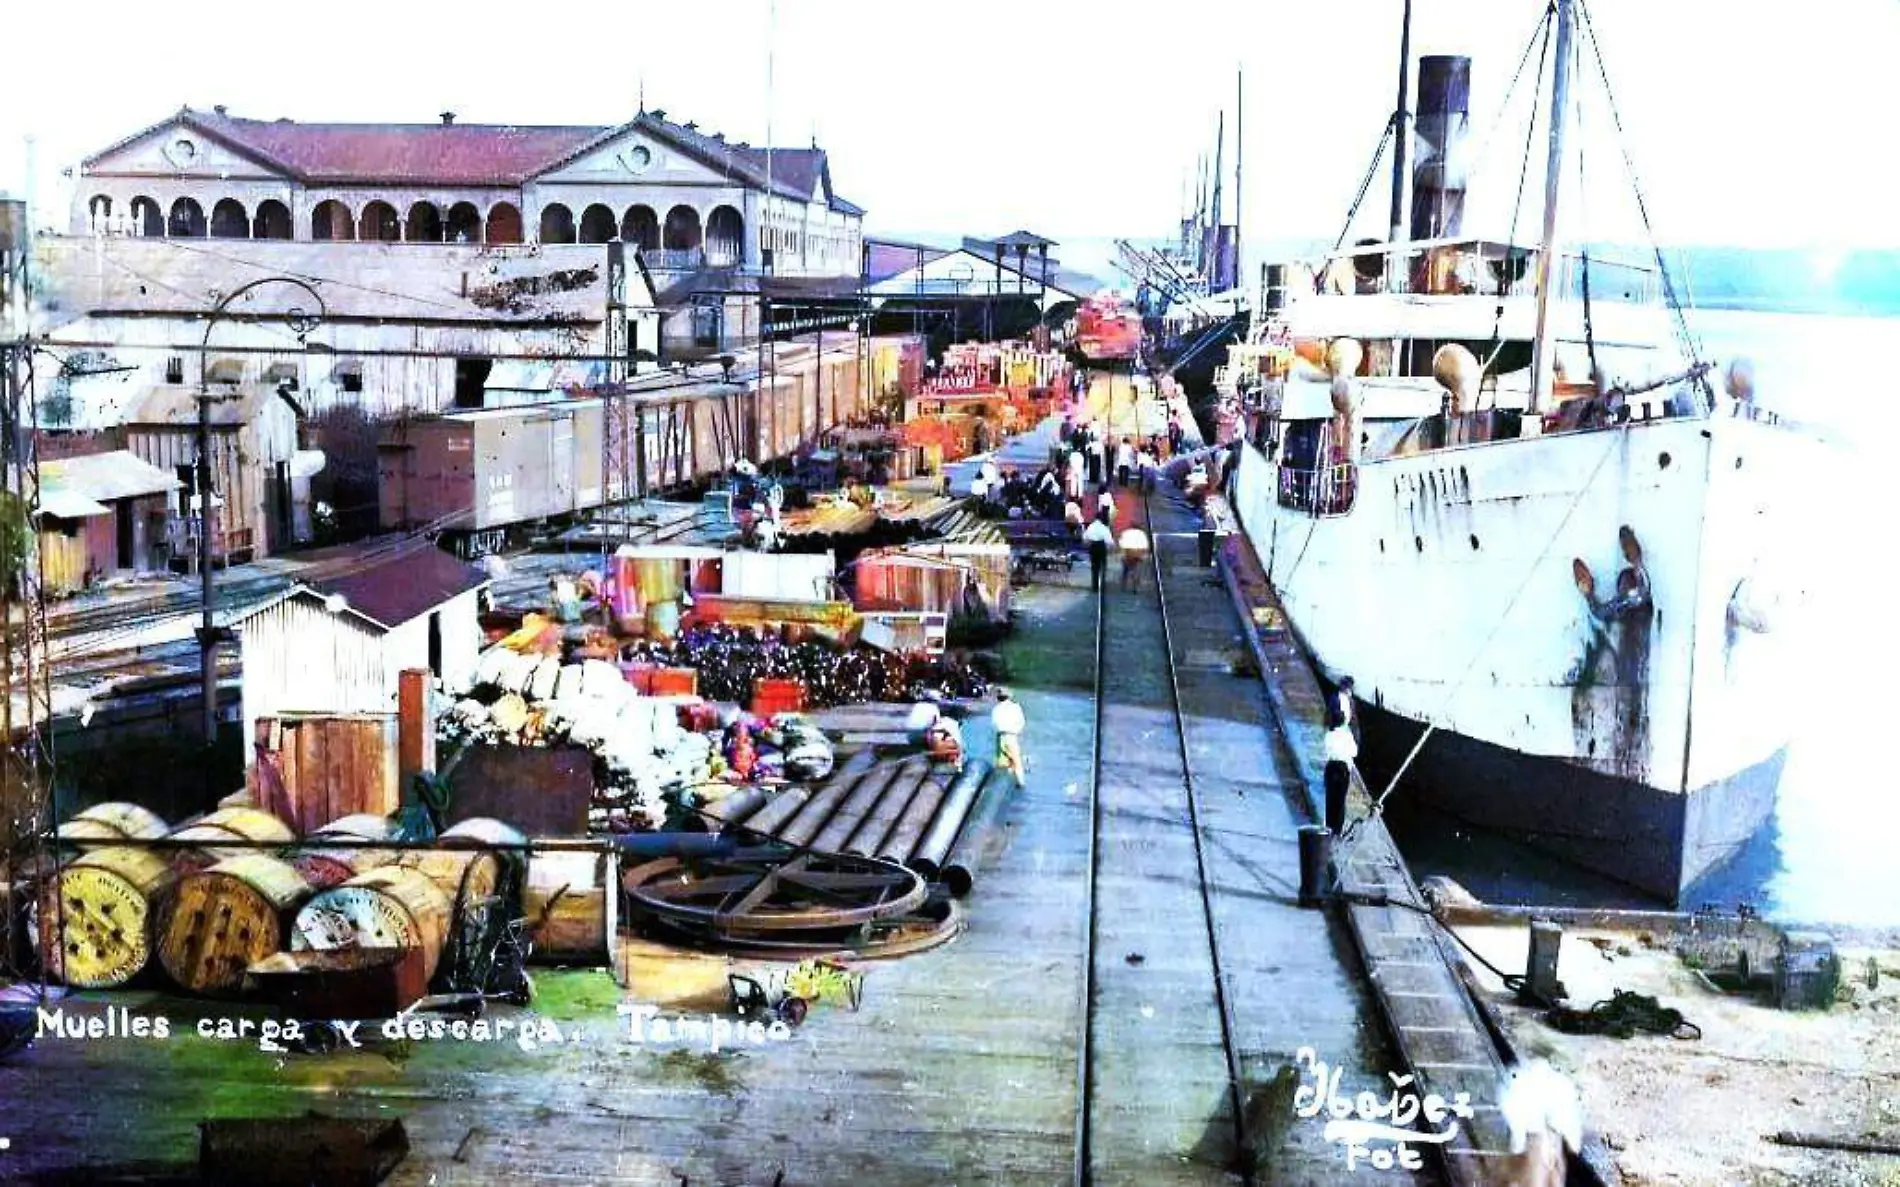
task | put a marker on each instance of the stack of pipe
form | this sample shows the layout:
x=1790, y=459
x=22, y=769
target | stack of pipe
x=925, y=816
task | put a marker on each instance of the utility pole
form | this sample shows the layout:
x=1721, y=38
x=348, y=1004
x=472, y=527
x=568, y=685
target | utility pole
x=26, y=815
x=210, y=634
x=614, y=467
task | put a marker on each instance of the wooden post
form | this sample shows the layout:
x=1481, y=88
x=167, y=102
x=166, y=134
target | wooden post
x=415, y=732
x=1546, y=940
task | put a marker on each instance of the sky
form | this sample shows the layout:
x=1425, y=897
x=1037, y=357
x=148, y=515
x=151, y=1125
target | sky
x=1750, y=123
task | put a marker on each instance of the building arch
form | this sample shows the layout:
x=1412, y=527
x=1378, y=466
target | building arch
x=597, y=224
x=557, y=224
x=272, y=221
x=682, y=229
x=504, y=223
x=99, y=209
x=186, y=221
x=146, y=217
x=641, y=227
x=380, y=223
x=332, y=220
x=725, y=237
x=229, y=220
x=464, y=225
x=425, y=224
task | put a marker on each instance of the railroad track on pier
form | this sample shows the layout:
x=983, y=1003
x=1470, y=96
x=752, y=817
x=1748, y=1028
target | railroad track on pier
x=1141, y=880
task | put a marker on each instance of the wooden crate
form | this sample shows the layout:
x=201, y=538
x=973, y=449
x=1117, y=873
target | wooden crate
x=311, y=770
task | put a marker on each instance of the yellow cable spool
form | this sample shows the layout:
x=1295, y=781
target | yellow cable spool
x=97, y=917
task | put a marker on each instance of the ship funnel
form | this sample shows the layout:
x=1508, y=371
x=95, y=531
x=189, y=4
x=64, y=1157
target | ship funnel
x=1439, y=144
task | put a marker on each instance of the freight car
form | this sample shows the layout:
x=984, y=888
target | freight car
x=485, y=477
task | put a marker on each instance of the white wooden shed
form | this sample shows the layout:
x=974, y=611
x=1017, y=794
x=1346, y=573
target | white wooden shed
x=339, y=645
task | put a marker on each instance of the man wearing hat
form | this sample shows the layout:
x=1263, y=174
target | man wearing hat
x=1007, y=718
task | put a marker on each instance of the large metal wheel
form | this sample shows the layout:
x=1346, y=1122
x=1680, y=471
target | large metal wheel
x=744, y=896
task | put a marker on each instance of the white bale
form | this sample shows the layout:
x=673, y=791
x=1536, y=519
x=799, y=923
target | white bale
x=541, y=684
x=491, y=665
x=568, y=685
x=601, y=680
x=518, y=672
x=594, y=724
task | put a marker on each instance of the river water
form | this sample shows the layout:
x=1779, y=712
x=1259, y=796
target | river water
x=1829, y=856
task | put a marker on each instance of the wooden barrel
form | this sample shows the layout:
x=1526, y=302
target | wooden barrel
x=391, y=907
x=565, y=901
x=327, y=867
x=227, y=824
x=97, y=917
x=464, y=868
x=112, y=823
x=222, y=919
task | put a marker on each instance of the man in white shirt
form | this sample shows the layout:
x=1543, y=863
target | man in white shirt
x=1342, y=750
x=1008, y=720
x=1124, y=461
x=1098, y=536
x=1134, y=546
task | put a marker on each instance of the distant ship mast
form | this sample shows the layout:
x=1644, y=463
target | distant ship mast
x=1543, y=358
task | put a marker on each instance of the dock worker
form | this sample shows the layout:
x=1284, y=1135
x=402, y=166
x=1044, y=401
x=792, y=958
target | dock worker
x=1098, y=536
x=1134, y=546
x=1342, y=750
x=1072, y=517
x=1124, y=461
x=1007, y=718
x=1072, y=475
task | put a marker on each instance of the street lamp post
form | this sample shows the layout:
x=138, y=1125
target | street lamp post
x=209, y=633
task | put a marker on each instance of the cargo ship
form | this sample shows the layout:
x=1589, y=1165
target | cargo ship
x=1549, y=549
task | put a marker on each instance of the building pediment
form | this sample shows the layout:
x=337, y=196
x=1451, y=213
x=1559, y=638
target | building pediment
x=634, y=156
x=179, y=147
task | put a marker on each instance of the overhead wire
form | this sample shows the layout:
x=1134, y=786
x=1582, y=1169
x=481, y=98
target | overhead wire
x=1691, y=344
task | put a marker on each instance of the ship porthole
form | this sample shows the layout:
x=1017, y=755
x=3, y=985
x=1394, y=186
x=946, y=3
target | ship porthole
x=1418, y=542
x=1662, y=460
x=1474, y=544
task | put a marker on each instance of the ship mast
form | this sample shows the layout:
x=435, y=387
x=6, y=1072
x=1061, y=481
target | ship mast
x=1395, y=269
x=1543, y=358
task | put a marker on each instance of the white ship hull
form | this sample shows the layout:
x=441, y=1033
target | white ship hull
x=1645, y=746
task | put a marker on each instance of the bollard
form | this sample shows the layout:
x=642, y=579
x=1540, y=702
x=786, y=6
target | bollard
x=1206, y=542
x=1316, y=859
x=1540, y=977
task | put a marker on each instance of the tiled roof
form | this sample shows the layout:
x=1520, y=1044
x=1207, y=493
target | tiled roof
x=487, y=154
x=435, y=154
